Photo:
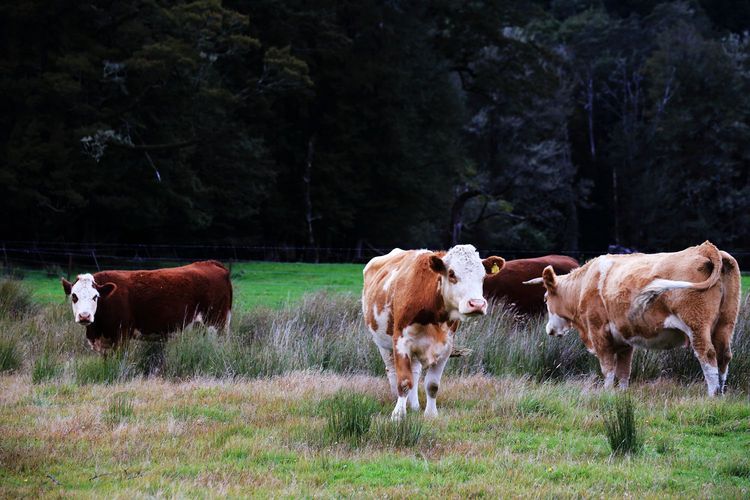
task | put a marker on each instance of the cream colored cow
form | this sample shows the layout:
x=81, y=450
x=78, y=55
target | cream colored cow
x=652, y=301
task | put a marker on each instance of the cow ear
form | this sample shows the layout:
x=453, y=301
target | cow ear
x=493, y=265
x=106, y=289
x=550, y=279
x=437, y=265
x=67, y=286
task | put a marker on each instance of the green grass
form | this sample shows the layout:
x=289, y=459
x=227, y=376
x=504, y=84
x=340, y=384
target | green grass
x=212, y=438
x=269, y=284
x=622, y=427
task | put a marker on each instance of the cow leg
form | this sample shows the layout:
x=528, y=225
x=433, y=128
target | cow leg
x=722, y=341
x=706, y=354
x=623, y=361
x=605, y=352
x=416, y=373
x=227, y=322
x=432, y=384
x=404, y=380
x=390, y=369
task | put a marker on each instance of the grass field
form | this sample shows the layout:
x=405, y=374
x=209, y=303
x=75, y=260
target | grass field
x=494, y=437
x=270, y=284
x=248, y=413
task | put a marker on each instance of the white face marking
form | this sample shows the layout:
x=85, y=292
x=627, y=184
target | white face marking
x=84, y=297
x=556, y=325
x=465, y=295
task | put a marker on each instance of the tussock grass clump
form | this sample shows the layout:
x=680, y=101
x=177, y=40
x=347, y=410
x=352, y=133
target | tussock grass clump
x=621, y=428
x=323, y=331
x=10, y=354
x=348, y=417
x=404, y=433
x=505, y=343
x=194, y=352
x=739, y=468
x=120, y=409
x=531, y=405
x=15, y=299
x=46, y=367
x=97, y=369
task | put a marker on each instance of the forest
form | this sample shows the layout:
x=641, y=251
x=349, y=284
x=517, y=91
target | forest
x=559, y=125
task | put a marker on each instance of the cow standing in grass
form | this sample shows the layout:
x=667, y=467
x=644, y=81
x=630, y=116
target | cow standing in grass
x=509, y=284
x=412, y=303
x=656, y=301
x=115, y=306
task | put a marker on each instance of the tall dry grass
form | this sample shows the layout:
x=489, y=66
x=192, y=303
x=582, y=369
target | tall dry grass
x=324, y=332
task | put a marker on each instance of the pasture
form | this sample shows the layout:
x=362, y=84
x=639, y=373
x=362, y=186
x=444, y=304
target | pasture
x=250, y=412
x=269, y=284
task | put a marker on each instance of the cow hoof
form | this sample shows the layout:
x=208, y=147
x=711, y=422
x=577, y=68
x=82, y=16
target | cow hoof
x=430, y=413
x=397, y=414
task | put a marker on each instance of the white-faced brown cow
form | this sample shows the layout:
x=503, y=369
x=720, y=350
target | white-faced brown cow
x=115, y=306
x=412, y=303
x=654, y=301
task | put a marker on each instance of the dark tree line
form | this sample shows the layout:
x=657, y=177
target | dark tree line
x=547, y=125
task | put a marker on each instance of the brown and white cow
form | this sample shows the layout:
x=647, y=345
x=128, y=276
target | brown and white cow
x=509, y=284
x=412, y=302
x=115, y=306
x=653, y=301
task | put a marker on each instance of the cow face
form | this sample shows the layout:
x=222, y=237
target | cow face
x=558, y=321
x=462, y=275
x=85, y=294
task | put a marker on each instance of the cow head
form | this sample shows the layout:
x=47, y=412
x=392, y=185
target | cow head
x=559, y=316
x=462, y=275
x=84, y=296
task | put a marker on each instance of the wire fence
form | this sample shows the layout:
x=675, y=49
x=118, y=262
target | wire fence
x=67, y=256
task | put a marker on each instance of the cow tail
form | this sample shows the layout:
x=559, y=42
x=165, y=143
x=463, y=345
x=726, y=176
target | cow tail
x=650, y=292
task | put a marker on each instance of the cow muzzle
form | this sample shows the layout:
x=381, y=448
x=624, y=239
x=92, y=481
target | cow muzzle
x=84, y=319
x=475, y=307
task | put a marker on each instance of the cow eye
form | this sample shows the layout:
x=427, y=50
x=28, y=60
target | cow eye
x=74, y=298
x=96, y=297
x=452, y=276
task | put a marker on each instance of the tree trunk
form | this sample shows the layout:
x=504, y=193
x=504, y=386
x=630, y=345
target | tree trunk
x=454, y=230
x=307, y=179
x=590, y=113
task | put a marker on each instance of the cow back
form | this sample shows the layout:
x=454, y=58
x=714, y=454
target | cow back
x=508, y=284
x=157, y=302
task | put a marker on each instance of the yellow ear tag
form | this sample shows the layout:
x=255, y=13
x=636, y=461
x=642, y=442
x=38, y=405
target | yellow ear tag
x=495, y=269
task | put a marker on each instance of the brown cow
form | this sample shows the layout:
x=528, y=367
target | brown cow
x=115, y=306
x=656, y=301
x=412, y=303
x=509, y=284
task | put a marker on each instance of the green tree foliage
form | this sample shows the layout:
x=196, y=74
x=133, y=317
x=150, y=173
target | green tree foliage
x=530, y=125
